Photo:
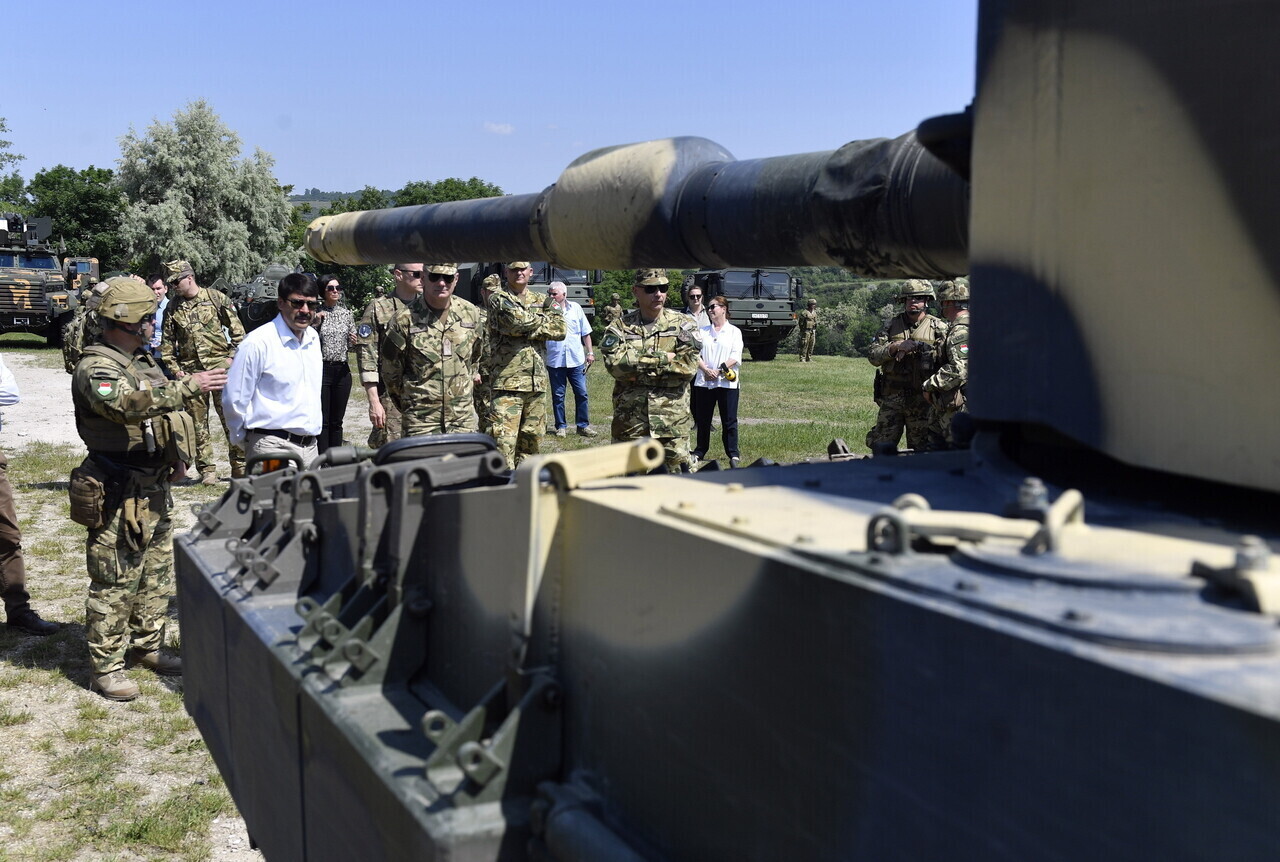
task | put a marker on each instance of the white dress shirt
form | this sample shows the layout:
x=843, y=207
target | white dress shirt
x=717, y=347
x=274, y=382
x=569, y=353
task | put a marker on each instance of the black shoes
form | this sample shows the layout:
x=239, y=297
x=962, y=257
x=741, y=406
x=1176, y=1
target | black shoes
x=29, y=621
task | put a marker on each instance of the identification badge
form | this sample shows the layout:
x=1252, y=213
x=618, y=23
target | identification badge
x=448, y=347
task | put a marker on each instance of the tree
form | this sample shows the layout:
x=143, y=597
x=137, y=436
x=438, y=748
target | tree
x=86, y=208
x=12, y=188
x=443, y=191
x=192, y=197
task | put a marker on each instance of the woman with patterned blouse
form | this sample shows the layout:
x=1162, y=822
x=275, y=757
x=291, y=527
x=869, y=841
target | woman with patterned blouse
x=337, y=327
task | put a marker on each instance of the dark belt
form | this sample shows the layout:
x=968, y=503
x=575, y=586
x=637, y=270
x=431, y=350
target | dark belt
x=295, y=439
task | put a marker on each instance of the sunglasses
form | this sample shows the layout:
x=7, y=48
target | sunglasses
x=654, y=288
x=439, y=276
x=333, y=287
x=695, y=296
x=412, y=273
x=310, y=304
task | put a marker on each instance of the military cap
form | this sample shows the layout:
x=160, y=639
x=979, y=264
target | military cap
x=615, y=296
x=176, y=270
x=126, y=298
x=491, y=282
x=645, y=277
x=449, y=269
x=518, y=264
x=813, y=302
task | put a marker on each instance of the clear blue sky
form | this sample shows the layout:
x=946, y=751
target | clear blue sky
x=374, y=92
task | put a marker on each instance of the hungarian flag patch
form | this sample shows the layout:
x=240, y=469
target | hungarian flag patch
x=106, y=389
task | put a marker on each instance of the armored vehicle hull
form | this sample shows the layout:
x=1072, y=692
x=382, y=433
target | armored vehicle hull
x=1059, y=644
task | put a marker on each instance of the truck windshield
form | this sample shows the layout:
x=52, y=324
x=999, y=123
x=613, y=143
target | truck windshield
x=6, y=260
x=569, y=276
x=739, y=284
x=774, y=285
x=38, y=261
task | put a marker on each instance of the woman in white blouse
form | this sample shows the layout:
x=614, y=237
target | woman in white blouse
x=721, y=353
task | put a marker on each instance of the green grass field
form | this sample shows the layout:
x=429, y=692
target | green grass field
x=788, y=411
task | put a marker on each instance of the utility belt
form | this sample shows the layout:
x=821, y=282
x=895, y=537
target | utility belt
x=302, y=440
x=121, y=482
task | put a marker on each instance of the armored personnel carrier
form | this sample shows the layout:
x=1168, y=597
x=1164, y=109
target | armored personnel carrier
x=1058, y=645
x=39, y=290
x=255, y=300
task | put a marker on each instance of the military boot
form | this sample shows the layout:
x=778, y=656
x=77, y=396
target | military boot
x=209, y=478
x=165, y=665
x=237, y=471
x=114, y=685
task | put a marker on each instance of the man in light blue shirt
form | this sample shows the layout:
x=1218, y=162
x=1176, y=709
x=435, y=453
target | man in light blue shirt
x=568, y=360
x=161, y=290
x=272, y=397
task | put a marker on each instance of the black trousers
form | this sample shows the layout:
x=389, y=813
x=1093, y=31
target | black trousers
x=335, y=390
x=704, y=404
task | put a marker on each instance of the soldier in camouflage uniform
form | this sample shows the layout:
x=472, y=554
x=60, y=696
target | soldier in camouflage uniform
x=83, y=328
x=652, y=353
x=131, y=418
x=903, y=351
x=487, y=287
x=201, y=333
x=435, y=345
x=375, y=371
x=611, y=312
x=808, y=320
x=945, y=389
x=520, y=321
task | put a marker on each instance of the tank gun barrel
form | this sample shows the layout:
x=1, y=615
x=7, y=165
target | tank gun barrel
x=883, y=207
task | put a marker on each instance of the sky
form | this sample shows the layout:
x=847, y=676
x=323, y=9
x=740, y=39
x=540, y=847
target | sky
x=382, y=92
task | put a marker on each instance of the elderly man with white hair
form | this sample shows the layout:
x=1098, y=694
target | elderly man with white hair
x=568, y=361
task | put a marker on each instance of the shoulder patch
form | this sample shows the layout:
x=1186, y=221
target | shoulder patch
x=364, y=330
x=105, y=389
x=610, y=341
x=963, y=349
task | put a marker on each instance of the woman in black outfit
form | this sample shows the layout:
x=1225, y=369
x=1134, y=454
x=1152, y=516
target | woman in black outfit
x=337, y=329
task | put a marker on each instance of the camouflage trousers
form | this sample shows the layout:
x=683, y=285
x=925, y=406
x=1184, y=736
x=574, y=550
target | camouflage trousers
x=945, y=408
x=898, y=410
x=453, y=419
x=806, y=346
x=483, y=395
x=129, y=590
x=516, y=422
x=198, y=407
x=393, y=428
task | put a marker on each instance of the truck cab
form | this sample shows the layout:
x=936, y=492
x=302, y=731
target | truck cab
x=38, y=290
x=761, y=302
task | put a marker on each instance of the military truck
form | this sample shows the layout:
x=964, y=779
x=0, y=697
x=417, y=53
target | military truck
x=1060, y=644
x=761, y=302
x=39, y=290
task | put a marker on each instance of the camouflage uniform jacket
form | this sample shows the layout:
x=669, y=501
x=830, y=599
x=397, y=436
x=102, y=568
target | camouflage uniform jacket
x=609, y=313
x=193, y=338
x=807, y=319
x=371, y=335
x=648, y=384
x=908, y=372
x=953, y=358
x=435, y=355
x=114, y=395
x=518, y=326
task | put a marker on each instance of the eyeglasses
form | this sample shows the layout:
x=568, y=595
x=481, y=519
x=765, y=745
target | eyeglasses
x=310, y=304
x=439, y=276
x=716, y=306
x=411, y=273
x=695, y=296
x=150, y=318
x=333, y=287
x=654, y=288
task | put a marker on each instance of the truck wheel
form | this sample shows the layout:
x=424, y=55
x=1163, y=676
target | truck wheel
x=763, y=352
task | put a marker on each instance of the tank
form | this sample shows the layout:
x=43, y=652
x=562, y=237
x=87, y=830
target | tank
x=39, y=290
x=1059, y=644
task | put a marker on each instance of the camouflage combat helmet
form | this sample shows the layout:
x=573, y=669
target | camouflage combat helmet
x=614, y=297
x=915, y=287
x=127, y=300
x=955, y=291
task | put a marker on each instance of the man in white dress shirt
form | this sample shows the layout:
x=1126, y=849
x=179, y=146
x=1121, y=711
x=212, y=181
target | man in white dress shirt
x=272, y=397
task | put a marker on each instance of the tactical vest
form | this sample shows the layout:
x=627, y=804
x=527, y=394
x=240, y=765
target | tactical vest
x=103, y=435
